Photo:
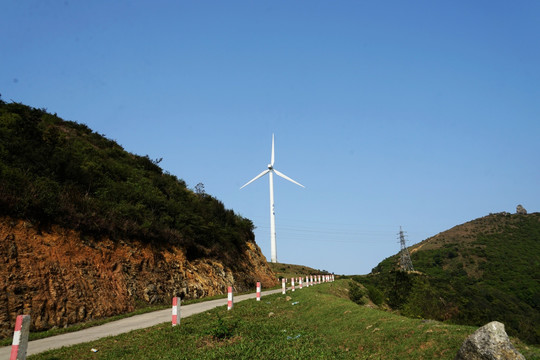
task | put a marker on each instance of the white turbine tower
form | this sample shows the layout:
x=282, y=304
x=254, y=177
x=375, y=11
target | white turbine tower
x=270, y=171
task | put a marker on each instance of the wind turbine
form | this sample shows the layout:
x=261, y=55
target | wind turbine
x=270, y=171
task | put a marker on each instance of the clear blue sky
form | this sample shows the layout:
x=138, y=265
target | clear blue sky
x=421, y=114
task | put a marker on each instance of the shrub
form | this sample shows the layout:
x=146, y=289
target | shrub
x=222, y=329
x=376, y=296
x=356, y=293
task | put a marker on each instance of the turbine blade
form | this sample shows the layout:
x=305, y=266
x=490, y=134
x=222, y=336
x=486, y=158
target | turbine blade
x=272, y=159
x=255, y=178
x=287, y=178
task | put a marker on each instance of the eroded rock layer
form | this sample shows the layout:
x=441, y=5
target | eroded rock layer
x=61, y=278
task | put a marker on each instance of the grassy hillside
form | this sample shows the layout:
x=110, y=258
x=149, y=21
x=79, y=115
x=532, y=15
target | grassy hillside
x=487, y=269
x=290, y=270
x=322, y=324
x=60, y=172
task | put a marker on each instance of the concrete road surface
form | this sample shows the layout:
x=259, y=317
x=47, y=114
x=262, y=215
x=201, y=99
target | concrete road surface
x=124, y=325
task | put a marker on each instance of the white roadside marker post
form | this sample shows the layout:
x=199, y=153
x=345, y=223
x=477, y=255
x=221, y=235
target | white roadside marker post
x=292, y=284
x=229, y=298
x=20, y=338
x=258, y=291
x=301, y=283
x=176, y=310
x=283, y=286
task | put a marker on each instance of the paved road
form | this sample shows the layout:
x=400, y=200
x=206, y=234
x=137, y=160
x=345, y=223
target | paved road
x=125, y=325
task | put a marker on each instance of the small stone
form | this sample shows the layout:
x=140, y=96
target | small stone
x=288, y=298
x=271, y=314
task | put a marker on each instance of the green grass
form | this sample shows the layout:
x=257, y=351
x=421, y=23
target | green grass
x=92, y=323
x=85, y=325
x=324, y=324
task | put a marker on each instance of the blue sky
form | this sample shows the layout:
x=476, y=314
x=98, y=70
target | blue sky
x=420, y=114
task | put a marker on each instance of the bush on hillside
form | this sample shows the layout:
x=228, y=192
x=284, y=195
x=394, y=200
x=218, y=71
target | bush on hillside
x=59, y=172
x=491, y=273
x=357, y=293
x=376, y=296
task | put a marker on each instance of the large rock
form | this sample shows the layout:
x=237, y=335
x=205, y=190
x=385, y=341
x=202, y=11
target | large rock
x=490, y=342
x=521, y=210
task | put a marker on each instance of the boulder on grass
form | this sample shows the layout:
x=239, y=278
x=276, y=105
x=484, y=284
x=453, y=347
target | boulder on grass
x=490, y=342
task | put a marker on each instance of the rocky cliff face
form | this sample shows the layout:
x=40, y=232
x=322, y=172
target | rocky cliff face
x=59, y=278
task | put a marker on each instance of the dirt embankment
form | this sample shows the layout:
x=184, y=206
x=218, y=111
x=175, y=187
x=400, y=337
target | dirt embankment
x=60, y=278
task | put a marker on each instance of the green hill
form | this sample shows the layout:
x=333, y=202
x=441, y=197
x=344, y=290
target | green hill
x=318, y=322
x=290, y=270
x=486, y=269
x=61, y=172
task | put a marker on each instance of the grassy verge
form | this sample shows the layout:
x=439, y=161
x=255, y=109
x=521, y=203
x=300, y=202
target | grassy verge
x=85, y=325
x=322, y=324
x=92, y=323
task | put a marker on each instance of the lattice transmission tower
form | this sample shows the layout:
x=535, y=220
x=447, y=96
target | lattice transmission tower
x=405, y=263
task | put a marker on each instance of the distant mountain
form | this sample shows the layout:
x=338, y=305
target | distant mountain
x=486, y=269
x=89, y=230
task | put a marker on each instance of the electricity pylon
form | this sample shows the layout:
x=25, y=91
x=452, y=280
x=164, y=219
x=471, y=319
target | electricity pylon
x=405, y=263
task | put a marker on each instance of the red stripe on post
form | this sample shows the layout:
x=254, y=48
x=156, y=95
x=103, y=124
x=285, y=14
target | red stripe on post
x=176, y=301
x=20, y=337
x=229, y=298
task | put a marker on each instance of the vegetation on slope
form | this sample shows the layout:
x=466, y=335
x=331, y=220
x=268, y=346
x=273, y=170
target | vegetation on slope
x=290, y=270
x=487, y=269
x=60, y=172
x=323, y=324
